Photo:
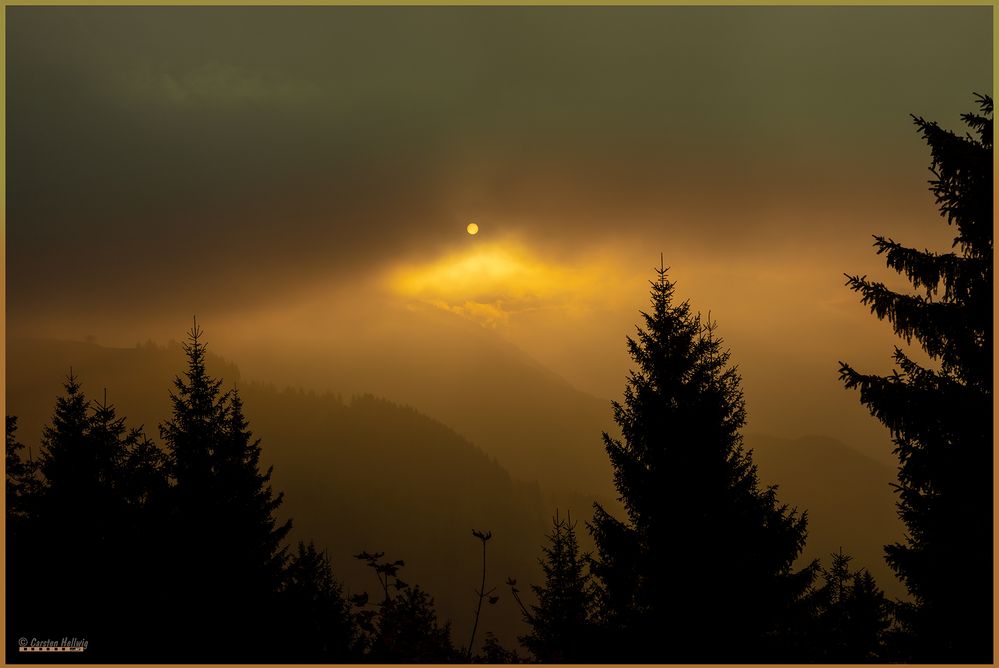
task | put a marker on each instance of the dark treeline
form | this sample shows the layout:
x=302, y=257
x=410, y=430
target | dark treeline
x=173, y=551
x=176, y=554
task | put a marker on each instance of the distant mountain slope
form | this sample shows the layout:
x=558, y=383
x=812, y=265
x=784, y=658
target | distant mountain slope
x=377, y=476
x=368, y=475
x=848, y=496
x=536, y=424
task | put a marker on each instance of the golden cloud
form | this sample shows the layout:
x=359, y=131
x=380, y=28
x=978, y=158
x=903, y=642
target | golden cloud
x=491, y=282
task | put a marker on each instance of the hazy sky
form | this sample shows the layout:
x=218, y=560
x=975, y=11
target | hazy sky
x=292, y=173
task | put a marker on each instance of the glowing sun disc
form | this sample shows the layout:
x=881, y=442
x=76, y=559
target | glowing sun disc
x=472, y=229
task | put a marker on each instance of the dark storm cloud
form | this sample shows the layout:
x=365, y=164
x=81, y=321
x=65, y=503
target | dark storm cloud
x=191, y=156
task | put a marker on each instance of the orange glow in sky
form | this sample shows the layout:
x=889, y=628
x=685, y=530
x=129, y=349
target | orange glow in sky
x=489, y=282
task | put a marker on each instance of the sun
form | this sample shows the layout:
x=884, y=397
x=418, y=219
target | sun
x=472, y=229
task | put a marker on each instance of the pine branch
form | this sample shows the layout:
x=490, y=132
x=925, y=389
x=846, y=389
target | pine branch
x=942, y=328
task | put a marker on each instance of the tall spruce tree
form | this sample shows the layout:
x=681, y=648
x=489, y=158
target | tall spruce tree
x=701, y=569
x=939, y=414
x=226, y=549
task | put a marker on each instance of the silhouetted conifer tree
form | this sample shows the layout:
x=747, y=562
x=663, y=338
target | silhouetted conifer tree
x=70, y=466
x=140, y=466
x=227, y=551
x=940, y=414
x=132, y=469
x=561, y=629
x=21, y=480
x=852, y=615
x=701, y=568
x=318, y=621
x=249, y=523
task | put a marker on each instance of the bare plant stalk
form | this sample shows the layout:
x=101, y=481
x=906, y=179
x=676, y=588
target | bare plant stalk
x=481, y=591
